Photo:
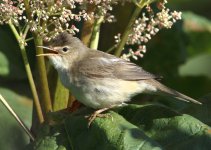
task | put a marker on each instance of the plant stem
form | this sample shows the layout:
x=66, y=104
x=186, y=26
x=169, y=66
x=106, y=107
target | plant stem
x=121, y=45
x=29, y=39
x=111, y=48
x=28, y=72
x=96, y=33
x=17, y=118
x=27, y=8
x=26, y=31
x=42, y=76
x=88, y=26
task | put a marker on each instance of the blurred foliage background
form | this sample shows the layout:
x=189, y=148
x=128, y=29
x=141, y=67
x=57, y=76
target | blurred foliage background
x=182, y=55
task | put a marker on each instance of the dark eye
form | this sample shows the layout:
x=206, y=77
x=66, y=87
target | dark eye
x=65, y=49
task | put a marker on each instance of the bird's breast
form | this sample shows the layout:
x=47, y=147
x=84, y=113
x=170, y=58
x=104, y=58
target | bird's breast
x=66, y=78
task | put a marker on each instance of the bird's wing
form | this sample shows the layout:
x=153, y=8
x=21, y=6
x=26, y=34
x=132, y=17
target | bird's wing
x=103, y=65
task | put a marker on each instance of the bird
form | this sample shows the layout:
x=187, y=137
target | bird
x=100, y=80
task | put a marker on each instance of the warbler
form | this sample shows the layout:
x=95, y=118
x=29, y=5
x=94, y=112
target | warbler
x=100, y=80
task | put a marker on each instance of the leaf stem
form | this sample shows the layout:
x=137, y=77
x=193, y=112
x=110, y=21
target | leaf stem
x=28, y=72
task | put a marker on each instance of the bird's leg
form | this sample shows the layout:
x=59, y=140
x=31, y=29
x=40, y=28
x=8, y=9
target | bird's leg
x=75, y=106
x=97, y=113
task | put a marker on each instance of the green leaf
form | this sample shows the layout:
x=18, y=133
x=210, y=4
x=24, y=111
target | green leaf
x=201, y=62
x=12, y=136
x=196, y=23
x=133, y=127
x=4, y=65
x=170, y=129
x=59, y=94
x=198, y=31
x=113, y=132
x=203, y=112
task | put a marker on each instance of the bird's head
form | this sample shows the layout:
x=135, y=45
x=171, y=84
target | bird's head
x=63, y=50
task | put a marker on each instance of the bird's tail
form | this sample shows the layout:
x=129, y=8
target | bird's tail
x=164, y=90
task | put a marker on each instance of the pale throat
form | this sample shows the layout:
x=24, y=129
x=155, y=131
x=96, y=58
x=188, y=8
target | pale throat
x=60, y=63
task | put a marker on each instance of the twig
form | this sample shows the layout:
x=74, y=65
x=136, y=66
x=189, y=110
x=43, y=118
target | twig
x=29, y=39
x=17, y=118
x=111, y=48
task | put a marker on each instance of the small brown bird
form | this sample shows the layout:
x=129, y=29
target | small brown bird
x=100, y=80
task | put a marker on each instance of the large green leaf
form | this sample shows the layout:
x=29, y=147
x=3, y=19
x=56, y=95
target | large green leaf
x=170, y=129
x=12, y=136
x=203, y=112
x=112, y=133
x=132, y=127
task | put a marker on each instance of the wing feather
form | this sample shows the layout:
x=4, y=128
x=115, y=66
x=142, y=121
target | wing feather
x=97, y=64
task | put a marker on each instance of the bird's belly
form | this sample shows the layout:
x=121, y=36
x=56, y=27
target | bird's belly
x=102, y=93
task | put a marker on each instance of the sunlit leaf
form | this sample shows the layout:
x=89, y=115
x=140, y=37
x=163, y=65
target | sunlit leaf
x=139, y=127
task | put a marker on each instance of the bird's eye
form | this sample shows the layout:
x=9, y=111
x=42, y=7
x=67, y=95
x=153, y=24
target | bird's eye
x=65, y=49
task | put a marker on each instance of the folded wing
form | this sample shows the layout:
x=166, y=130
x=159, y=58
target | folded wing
x=103, y=65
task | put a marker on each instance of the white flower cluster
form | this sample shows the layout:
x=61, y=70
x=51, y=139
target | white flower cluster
x=48, y=18
x=104, y=7
x=147, y=26
x=51, y=19
x=11, y=11
x=138, y=53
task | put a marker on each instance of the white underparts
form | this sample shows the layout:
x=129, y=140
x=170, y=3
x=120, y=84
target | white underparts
x=106, y=92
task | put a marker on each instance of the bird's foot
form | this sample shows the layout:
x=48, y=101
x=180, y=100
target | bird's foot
x=96, y=114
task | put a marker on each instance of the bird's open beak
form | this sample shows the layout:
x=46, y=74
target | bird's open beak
x=51, y=51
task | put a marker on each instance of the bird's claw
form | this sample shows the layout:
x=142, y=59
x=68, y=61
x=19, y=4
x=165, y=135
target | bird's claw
x=96, y=114
x=93, y=116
